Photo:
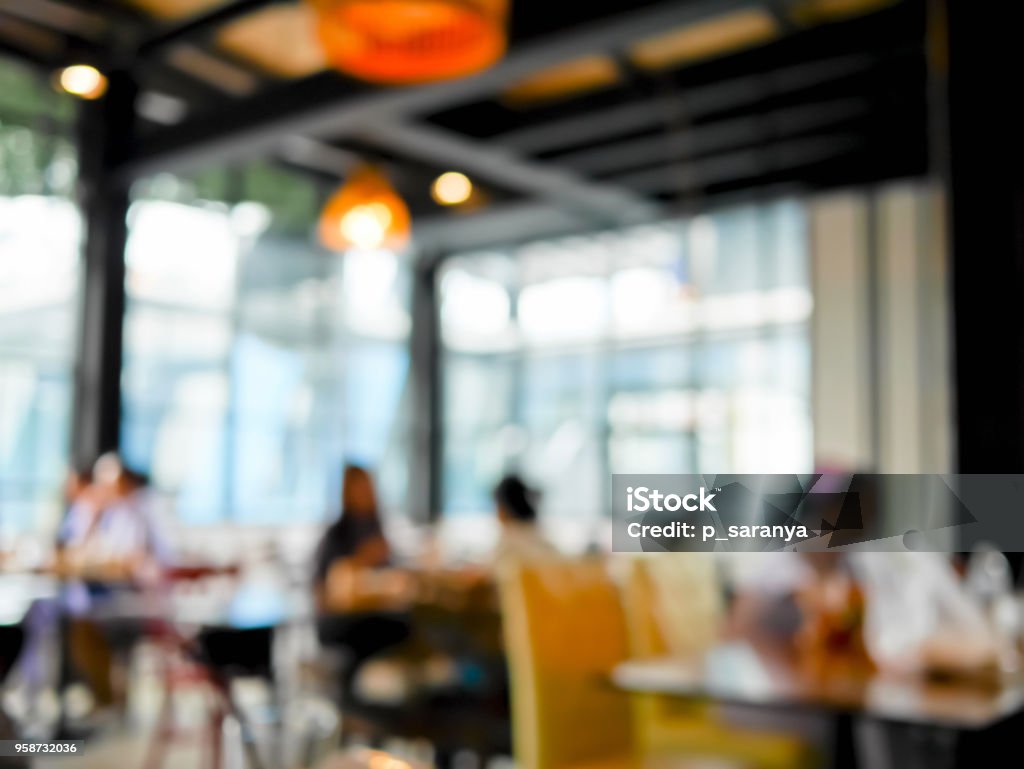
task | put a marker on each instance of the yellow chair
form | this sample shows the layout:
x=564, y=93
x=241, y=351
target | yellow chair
x=673, y=606
x=564, y=632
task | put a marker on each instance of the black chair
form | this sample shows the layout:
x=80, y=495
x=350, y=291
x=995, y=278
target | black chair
x=12, y=637
x=360, y=636
x=472, y=714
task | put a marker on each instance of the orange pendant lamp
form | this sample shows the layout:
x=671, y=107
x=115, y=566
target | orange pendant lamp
x=399, y=42
x=365, y=214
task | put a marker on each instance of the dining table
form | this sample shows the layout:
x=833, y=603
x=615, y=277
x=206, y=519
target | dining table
x=232, y=628
x=954, y=721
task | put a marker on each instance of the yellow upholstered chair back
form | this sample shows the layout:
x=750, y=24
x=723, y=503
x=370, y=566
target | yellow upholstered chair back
x=673, y=605
x=564, y=632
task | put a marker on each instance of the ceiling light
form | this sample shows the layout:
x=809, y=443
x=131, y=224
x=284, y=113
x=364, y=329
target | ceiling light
x=411, y=41
x=83, y=80
x=451, y=188
x=365, y=214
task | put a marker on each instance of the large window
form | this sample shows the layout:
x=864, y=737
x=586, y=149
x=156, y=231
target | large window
x=39, y=262
x=256, y=363
x=680, y=347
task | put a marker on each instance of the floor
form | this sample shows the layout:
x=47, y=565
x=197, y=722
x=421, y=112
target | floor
x=298, y=735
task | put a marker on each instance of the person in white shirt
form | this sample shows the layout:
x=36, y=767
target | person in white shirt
x=520, y=538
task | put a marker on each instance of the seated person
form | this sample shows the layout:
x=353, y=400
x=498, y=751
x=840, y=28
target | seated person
x=359, y=599
x=351, y=562
x=111, y=532
x=110, y=541
x=810, y=602
x=520, y=538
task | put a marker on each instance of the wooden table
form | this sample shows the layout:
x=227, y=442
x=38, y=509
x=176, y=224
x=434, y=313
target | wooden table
x=740, y=673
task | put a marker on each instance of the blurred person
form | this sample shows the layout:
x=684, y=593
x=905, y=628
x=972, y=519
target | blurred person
x=919, y=620
x=360, y=601
x=111, y=531
x=933, y=625
x=520, y=538
x=110, y=542
x=77, y=486
x=789, y=606
x=352, y=546
x=811, y=603
x=902, y=613
x=44, y=615
x=832, y=606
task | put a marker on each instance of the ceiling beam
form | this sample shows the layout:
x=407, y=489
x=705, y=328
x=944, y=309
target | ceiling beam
x=713, y=137
x=119, y=12
x=27, y=56
x=634, y=116
x=318, y=156
x=58, y=16
x=70, y=48
x=496, y=165
x=89, y=31
x=325, y=106
x=66, y=48
x=516, y=223
x=493, y=226
x=767, y=159
x=201, y=27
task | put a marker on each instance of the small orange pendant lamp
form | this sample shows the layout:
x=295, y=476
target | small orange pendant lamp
x=365, y=214
x=399, y=42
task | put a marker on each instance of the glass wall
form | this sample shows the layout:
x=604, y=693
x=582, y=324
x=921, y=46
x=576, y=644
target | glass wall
x=680, y=347
x=40, y=233
x=256, y=363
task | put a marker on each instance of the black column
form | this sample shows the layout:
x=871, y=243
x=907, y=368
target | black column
x=983, y=154
x=105, y=135
x=426, y=462
x=986, y=181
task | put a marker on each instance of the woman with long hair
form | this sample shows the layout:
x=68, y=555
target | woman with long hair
x=355, y=613
x=356, y=539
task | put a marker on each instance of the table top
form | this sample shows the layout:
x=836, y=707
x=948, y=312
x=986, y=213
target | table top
x=19, y=591
x=245, y=606
x=740, y=673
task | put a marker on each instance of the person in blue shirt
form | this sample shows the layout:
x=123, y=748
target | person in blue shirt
x=110, y=543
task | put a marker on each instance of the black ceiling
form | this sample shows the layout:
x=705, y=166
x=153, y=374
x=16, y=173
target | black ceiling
x=821, y=106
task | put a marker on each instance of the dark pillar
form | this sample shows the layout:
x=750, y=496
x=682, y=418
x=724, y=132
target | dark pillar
x=983, y=154
x=426, y=468
x=105, y=135
x=986, y=182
